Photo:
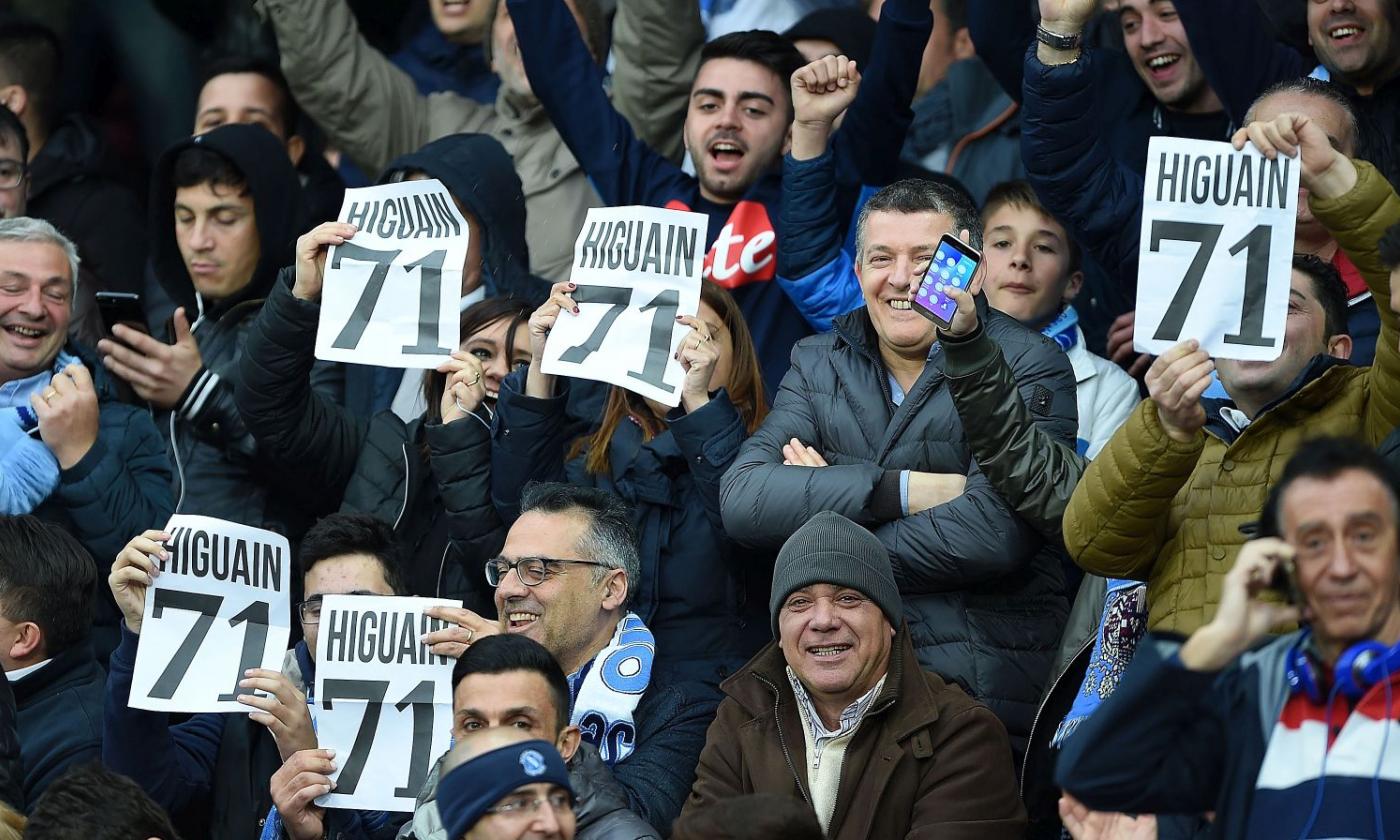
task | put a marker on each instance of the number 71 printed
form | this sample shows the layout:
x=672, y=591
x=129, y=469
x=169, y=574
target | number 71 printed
x=636, y=269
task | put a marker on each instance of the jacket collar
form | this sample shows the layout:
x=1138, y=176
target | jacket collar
x=62, y=667
x=1315, y=371
x=1080, y=359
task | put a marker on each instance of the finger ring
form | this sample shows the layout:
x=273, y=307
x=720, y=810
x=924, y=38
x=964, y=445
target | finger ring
x=474, y=381
x=471, y=634
x=50, y=394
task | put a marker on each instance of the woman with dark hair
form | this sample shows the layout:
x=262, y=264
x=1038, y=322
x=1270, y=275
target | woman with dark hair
x=429, y=476
x=704, y=597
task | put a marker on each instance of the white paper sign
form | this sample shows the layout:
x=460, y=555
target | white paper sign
x=383, y=702
x=636, y=269
x=392, y=293
x=1217, y=249
x=220, y=605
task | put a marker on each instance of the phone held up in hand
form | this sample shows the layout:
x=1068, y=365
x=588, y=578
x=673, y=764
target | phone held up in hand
x=121, y=308
x=954, y=264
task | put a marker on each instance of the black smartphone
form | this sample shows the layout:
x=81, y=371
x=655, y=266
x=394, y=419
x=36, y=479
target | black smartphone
x=121, y=308
x=1285, y=582
x=954, y=263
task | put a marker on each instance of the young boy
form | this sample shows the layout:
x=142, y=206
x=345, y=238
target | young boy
x=1032, y=275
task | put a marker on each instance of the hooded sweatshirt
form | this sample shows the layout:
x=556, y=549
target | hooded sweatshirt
x=217, y=472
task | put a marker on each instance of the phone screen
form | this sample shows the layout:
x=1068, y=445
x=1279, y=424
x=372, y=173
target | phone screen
x=953, y=265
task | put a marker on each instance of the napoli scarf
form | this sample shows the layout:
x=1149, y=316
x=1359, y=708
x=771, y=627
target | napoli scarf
x=607, y=690
x=1062, y=330
x=1121, y=626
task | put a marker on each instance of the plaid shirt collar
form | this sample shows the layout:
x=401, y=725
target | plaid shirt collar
x=850, y=718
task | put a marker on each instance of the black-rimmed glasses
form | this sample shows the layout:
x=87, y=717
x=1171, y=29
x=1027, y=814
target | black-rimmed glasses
x=532, y=570
x=310, y=609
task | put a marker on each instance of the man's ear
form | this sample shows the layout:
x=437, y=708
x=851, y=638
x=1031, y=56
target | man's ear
x=615, y=590
x=28, y=640
x=296, y=147
x=962, y=45
x=1339, y=346
x=787, y=140
x=568, y=741
x=15, y=98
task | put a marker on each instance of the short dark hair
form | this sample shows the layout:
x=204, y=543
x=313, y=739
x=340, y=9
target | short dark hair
x=919, y=195
x=508, y=652
x=1322, y=89
x=611, y=537
x=1330, y=290
x=196, y=165
x=353, y=533
x=31, y=57
x=289, y=113
x=10, y=125
x=1389, y=246
x=754, y=816
x=90, y=801
x=1325, y=458
x=1020, y=194
x=763, y=47
x=48, y=578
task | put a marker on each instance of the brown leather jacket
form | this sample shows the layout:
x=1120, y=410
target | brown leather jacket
x=927, y=761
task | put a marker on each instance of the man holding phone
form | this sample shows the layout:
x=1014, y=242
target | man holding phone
x=1258, y=729
x=864, y=426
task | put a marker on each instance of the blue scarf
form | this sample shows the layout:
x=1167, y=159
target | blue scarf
x=29, y=472
x=1120, y=627
x=1062, y=330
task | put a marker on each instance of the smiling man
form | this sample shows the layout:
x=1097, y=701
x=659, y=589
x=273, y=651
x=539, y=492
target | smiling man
x=840, y=694
x=564, y=579
x=864, y=426
x=1254, y=728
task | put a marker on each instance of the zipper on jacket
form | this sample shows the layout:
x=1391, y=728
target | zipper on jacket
x=778, y=724
x=403, y=509
x=442, y=564
x=1035, y=721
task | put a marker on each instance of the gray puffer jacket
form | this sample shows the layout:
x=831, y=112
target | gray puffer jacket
x=983, y=591
x=600, y=806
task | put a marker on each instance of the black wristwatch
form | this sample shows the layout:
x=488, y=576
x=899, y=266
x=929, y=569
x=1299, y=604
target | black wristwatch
x=1056, y=40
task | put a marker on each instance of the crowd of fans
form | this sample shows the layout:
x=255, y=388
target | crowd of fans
x=1003, y=579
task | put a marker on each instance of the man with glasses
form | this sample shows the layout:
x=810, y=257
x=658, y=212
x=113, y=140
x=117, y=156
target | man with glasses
x=211, y=772
x=564, y=579
x=502, y=785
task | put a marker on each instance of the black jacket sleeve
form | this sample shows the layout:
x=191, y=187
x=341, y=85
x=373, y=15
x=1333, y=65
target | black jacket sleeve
x=311, y=439
x=460, y=456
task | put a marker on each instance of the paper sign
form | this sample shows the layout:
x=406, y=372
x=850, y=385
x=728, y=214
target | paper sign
x=1217, y=249
x=220, y=605
x=383, y=701
x=392, y=293
x=636, y=269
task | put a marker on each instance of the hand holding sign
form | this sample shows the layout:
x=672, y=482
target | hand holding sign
x=282, y=710
x=310, y=270
x=697, y=356
x=635, y=270
x=1217, y=249
x=1327, y=173
x=391, y=291
x=1176, y=382
x=215, y=604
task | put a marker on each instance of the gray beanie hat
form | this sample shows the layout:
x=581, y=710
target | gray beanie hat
x=830, y=548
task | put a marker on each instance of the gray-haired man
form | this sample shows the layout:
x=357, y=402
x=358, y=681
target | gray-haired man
x=70, y=451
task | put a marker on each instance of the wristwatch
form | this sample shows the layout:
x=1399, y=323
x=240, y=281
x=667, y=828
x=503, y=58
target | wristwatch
x=1056, y=40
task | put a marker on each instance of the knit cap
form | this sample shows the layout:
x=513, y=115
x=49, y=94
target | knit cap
x=832, y=549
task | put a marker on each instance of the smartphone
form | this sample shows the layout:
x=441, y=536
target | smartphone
x=1285, y=582
x=954, y=264
x=121, y=308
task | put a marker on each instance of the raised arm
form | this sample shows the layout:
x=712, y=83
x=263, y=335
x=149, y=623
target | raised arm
x=368, y=107
x=570, y=86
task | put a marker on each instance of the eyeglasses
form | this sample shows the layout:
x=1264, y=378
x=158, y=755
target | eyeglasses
x=527, y=806
x=12, y=173
x=310, y=609
x=532, y=571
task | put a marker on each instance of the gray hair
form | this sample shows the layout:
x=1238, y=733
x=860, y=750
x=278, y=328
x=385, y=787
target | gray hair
x=30, y=229
x=917, y=195
x=1320, y=89
x=610, y=538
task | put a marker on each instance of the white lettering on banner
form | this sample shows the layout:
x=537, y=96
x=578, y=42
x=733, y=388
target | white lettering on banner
x=383, y=700
x=1217, y=249
x=636, y=269
x=391, y=293
x=219, y=606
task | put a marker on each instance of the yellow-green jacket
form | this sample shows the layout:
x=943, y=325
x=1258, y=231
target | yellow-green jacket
x=1154, y=509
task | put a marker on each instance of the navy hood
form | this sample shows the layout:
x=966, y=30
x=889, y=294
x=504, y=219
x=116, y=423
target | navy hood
x=479, y=173
x=277, y=203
